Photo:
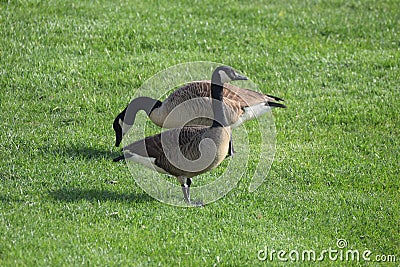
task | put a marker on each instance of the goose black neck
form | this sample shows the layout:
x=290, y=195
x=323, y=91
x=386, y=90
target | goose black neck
x=141, y=103
x=217, y=105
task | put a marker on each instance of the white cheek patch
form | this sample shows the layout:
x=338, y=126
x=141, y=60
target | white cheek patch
x=224, y=77
x=125, y=127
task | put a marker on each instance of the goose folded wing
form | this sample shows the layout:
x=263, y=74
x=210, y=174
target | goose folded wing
x=153, y=146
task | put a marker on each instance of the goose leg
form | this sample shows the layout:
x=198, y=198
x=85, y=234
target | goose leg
x=196, y=203
x=186, y=193
x=185, y=187
x=185, y=183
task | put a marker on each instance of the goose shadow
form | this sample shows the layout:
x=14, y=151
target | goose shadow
x=88, y=153
x=93, y=195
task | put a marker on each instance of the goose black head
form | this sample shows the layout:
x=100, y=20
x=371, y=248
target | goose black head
x=225, y=74
x=117, y=125
x=124, y=121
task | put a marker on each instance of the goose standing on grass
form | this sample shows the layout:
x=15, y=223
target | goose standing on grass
x=157, y=152
x=240, y=105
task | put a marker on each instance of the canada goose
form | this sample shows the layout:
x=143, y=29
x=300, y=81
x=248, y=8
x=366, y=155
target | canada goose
x=177, y=151
x=240, y=105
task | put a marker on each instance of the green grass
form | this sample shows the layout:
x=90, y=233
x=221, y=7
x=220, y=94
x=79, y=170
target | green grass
x=68, y=67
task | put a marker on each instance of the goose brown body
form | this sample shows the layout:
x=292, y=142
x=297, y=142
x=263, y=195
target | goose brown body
x=156, y=148
x=197, y=95
x=191, y=104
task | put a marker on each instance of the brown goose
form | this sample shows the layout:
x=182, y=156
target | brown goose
x=191, y=150
x=240, y=105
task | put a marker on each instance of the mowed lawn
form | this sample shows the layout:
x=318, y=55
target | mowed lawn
x=67, y=68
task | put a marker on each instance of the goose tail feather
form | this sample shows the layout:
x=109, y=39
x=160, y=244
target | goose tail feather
x=276, y=98
x=275, y=105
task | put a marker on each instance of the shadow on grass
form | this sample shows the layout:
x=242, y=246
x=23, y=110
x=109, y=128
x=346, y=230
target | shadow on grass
x=89, y=153
x=94, y=195
x=9, y=199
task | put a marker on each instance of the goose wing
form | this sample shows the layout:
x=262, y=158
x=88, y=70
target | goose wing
x=189, y=91
x=248, y=97
x=154, y=148
x=231, y=93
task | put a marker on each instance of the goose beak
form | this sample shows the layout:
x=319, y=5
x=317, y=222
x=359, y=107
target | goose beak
x=241, y=77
